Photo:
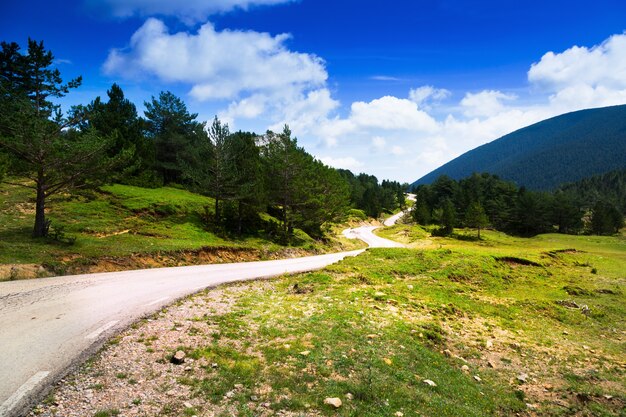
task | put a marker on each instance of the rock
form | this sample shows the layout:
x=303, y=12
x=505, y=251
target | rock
x=305, y=353
x=254, y=398
x=379, y=294
x=532, y=406
x=387, y=361
x=230, y=394
x=608, y=397
x=187, y=405
x=491, y=364
x=214, y=365
x=522, y=377
x=429, y=382
x=585, y=347
x=238, y=386
x=489, y=344
x=447, y=353
x=372, y=336
x=178, y=358
x=465, y=368
x=349, y=397
x=399, y=414
x=565, y=332
x=335, y=402
x=477, y=378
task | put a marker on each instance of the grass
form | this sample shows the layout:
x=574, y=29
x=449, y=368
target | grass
x=374, y=327
x=118, y=221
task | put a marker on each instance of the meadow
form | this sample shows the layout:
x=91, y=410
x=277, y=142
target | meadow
x=447, y=327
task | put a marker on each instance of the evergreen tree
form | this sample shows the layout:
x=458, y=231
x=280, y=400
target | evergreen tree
x=45, y=145
x=565, y=213
x=221, y=165
x=175, y=133
x=284, y=167
x=249, y=191
x=476, y=217
x=118, y=118
x=448, y=217
x=606, y=219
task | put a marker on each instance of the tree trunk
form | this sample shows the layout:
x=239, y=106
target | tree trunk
x=285, y=221
x=240, y=208
x=479, y=232
x=41, y=225
x=217, y=211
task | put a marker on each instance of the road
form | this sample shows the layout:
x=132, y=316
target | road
x=393, y=219
x=365, y=233
x=49, y=325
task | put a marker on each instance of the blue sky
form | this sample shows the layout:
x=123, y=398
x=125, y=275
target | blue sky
x=392, y=88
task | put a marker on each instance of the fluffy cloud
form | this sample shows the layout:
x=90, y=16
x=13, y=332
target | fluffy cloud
x=217, y=65
x=345, y=163
x=408, y=140
x=601, y=65
x=390, y=113
x=582, y=77
x=190, y=11
x=427, y=93
x=485, y=103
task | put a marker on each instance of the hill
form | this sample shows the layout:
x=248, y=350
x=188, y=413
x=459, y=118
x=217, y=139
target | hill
x=118, y=227
x=543, y=156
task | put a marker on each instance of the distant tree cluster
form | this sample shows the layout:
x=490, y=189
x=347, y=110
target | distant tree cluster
x=483, y=200
x=374, y=198
x=106, y=140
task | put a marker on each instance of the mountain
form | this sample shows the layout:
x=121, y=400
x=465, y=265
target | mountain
x=547, y=154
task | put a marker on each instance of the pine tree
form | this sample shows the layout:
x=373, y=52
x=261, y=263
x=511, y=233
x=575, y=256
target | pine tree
x=44, y=144
x=475, y=217
x=175, y=134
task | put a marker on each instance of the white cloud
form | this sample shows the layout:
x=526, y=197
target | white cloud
x=217, y=65
x=407, y=139
x=485, y=103
x=427, y=93
x=345, y=163
x=190, y=11
x=600, y=65
x=379, y=143
x=390, y=113
x=384, y=78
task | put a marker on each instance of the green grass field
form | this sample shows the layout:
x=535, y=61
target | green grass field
x=504, y=326
x=117, y=222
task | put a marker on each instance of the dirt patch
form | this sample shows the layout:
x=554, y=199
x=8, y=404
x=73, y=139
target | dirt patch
x=514, y=261
x=10, y=272
x=203, y=256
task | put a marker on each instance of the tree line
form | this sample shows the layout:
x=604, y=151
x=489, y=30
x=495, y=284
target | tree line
x=483, y=200
x=106, y=140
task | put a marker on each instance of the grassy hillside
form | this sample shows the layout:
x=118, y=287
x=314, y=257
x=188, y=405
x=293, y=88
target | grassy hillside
x=504, y=326
x=121, y=227
x=547, y=154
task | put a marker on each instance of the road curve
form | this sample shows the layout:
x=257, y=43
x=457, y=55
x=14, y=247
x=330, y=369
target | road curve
x=49, y=325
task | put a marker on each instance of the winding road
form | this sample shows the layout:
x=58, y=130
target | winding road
x=49, y=325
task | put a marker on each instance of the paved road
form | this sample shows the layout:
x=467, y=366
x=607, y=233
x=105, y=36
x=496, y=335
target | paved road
x=365, y=233
x=49, y=325
x=393, y=219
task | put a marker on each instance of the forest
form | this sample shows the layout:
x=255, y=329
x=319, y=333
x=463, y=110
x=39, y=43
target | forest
x=106, y=140
x=594, y=205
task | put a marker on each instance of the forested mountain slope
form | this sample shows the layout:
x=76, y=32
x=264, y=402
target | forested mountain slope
x=547, y=154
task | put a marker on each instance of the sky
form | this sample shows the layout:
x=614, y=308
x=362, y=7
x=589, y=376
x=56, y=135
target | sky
x=394, y=88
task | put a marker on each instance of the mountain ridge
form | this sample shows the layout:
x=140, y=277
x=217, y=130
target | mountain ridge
x=549, y=153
